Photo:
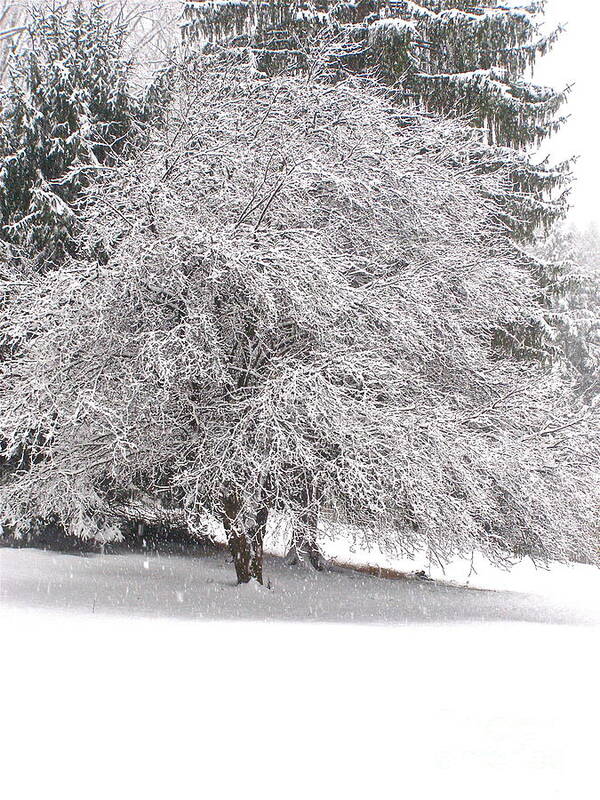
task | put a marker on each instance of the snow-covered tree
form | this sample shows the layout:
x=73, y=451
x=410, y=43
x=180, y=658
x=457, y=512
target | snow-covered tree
x=153, y=29
x=452, y=57
x=68, y=111
x=571, y=266
x=295, y=310
x=459, y=57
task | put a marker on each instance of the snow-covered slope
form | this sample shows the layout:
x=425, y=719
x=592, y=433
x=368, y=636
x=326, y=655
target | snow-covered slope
x=134, y=676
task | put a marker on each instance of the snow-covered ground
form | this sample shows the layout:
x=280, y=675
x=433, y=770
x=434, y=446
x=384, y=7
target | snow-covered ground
x=143, y=676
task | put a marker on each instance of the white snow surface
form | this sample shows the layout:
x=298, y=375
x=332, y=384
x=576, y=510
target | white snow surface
x=154, y=676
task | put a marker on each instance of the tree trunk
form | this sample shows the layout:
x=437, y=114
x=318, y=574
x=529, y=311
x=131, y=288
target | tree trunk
x=304, y=542
x=245, y=536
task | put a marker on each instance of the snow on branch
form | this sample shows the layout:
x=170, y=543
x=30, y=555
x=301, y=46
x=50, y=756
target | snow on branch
x=298, y=293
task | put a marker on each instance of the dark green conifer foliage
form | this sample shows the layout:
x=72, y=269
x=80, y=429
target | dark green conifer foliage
x=69, y=111
x=456, y=57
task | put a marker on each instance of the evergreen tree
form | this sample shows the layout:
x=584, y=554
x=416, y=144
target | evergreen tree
x=460, y=57
x=571, y=260
x=69, y=110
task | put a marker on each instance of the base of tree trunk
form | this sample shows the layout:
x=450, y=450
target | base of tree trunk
x=304, y=548
x=247, y=558
x=245, y=545
x=305, y=553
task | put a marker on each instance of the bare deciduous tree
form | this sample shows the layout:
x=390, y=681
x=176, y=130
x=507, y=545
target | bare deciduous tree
x=289, y=302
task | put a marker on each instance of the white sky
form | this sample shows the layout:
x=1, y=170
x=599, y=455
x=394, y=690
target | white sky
x=575, y=60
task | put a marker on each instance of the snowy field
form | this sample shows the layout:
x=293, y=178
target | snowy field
x=138, y=676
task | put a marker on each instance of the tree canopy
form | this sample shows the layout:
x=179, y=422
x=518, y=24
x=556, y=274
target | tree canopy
x=301, y=286
x=469, y=59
